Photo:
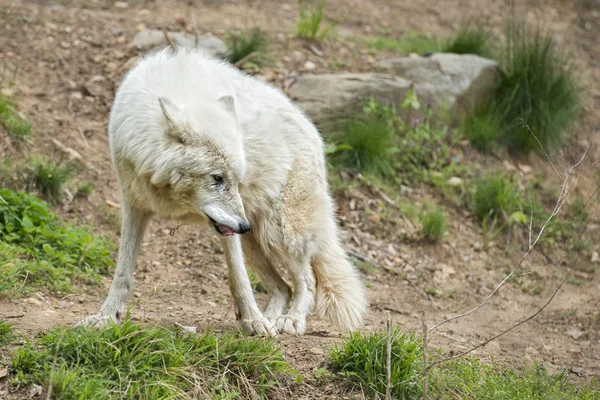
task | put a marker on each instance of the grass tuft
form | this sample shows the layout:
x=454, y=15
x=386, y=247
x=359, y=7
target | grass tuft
x=469, y=39
x=483, y=128
x=244, y=43
x=361, y=359
x=310, y=23
x=494, y=197
x=47, y=177
x=19, y=129
x=434, y=224
x=38, y=250
x=413, y=42
x=538, y=93
x=131, y=361
x=7, y=335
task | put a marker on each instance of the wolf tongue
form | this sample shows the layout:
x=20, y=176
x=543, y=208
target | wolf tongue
x=225, y=230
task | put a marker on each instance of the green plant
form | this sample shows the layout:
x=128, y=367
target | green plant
x=369, y=141
x=539, y=93
x=483, y=128
x=434, y=224
x=251, y=46
x=309, y=24
x=47, y=177
x=38, y=250
x=361, y=360
x=469, y=39
x=129, y=361
x=495, y=197
x=85, y=190
x=256, y=283
x=17, y=127
x=577, y=210
x=6, y=333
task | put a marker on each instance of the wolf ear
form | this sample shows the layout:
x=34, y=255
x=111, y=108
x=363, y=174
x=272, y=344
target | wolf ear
x=171, y=111
x=228, y=102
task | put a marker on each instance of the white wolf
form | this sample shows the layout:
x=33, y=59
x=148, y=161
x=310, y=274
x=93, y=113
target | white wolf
x=194, y=139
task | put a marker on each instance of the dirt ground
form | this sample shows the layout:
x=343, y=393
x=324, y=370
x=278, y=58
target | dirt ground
x=71, y=55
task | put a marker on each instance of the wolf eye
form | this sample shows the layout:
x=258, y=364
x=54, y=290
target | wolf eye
x=218, y=178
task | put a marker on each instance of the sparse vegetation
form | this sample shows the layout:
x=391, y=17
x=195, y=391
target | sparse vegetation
x=434, y=223
x=483, y=129
x=256, y=283
x=131, y=361
x=360, y=361
x=469, y=39
x=6, y=333
x=253, y=46
x=46, y=176
x=85, y=190
x=310, y=25
x=18, y=128
x=38, y=250
x=413, y=42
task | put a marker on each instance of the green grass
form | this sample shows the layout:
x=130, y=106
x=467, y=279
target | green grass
x=85, y=190
x=483, y=128
x=129, y=361
x=413, y=42
x=360, y=362
x=310, y=25
x=46, y=177
x=244, y=43
x=577, y=210
x=19, y=129
x=469, y=39
x=371, y=143
x=495, y=197
x=7, y=335
x=539, y=91
x=256, y=283
x=434, y=224
x=40, y=251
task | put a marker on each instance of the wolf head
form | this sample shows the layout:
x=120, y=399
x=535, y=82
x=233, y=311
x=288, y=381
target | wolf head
x=203, y=161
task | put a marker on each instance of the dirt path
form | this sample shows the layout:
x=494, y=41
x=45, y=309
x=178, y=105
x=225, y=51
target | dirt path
x=70, y=57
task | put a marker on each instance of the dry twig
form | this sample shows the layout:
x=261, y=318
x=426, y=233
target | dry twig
x=388, y=358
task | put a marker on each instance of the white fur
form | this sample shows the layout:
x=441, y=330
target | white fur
x=179, y=122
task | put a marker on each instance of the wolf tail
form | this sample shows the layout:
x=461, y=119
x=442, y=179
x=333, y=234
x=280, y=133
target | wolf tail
x=341, y=296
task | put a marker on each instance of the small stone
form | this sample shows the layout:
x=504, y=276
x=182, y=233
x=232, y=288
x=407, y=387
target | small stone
x=595, y=257
x=111, y=66
x=156, y=264
x=317, y=350
x=574, y=333
x=375, y=218
x=310, y=66
x=477, y=246
x=526, y=169
x=33, y=301
x=51, y=25
x=144, y=12
x=140, y=27
x=455, y=181
x=137, y=294
x=3, y=372
x=121, y=4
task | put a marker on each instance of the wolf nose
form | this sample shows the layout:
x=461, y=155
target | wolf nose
x=243, y=228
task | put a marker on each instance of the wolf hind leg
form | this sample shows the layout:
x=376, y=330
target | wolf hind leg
x=294, y=322
x=279, y=292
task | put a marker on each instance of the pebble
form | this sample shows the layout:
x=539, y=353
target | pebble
x=121, y=4
x=310, y=66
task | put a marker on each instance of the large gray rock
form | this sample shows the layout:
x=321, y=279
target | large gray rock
x=456, y=83
x=154, y=39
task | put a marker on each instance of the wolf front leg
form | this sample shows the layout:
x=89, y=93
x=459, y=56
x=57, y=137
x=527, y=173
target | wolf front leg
x=132, y=231
x=246, y=310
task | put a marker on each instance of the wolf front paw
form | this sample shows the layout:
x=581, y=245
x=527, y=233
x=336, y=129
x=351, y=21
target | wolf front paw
x=98, y=321
x=260, y=326
x=291, y=324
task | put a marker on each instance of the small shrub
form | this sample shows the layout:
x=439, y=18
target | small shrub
x=244, y=43
x=19, y=129
x=469, y=39
x=434, y=224
x=85, y=190
x=47, y=177
x=538, y=93
x=370, y=142
x=361, y=360
x=38, y=250
x=309, y=25
x=131, y=361
x=483, y=129
x=495, y=197
x=6, y=333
